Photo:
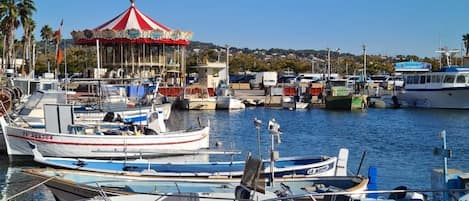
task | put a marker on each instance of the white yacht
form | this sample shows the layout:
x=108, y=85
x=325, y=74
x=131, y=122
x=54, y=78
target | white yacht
x=447, y=88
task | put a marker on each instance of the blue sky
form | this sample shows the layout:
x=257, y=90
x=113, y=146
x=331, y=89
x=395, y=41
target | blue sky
x=387, y=27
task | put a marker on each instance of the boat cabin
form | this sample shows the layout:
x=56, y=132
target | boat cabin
x=448, y=77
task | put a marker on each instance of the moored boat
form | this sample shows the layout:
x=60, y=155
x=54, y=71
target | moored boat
x=74, y=185
x=298, y=166
x=70, y=140
x=447, y=88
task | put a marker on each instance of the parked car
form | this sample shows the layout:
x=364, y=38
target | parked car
x=379, y=79
x=287, y=79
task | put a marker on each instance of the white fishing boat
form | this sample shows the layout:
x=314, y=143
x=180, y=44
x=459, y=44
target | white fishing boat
x=61, y=137
x=226, y=100
x=447, y=88
x=290, y=103
x=32, y=114
x=198, y=99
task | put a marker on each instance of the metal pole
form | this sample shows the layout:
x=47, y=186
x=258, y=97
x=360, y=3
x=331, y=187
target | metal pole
x=66, y=71
x=257, y=124
x=227, y=65
x=364, y=62
x=312, y=65
x=259, y=141
x=272, y=161
x=328, y=64
x=445, y=164
x=97, y=59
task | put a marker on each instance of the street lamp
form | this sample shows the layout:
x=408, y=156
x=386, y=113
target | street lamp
x=364, y=61
x=227, y=64
x=338, y=61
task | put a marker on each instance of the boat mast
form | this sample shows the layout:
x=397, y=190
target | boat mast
x=364, y=62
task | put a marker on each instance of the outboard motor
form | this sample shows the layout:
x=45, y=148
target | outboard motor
x=109, y=117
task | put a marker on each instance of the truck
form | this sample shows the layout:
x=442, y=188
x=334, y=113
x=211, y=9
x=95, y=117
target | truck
x=264, y=80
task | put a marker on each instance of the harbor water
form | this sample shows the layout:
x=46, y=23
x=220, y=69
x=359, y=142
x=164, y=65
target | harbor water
x=398, y=142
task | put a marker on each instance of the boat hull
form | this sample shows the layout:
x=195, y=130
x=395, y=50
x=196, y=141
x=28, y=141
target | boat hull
x=199, y=104
x=229, y=103
x=444, y=98
x=350, y=102
x=83, y=184
x=101, y=146
x=297, y=166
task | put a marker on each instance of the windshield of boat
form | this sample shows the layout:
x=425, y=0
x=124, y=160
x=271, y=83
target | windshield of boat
x=39, y=98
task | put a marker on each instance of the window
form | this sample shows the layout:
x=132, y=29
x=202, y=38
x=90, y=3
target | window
x=422, y=79
x=436, y=78
x=461, y=79
x=449, y=79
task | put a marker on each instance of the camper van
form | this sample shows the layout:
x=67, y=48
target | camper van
x=263, y=80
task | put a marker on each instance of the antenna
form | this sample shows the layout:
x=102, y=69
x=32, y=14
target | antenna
x=448, y=53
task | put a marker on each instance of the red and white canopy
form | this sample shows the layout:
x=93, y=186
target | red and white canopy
x=132, y=18
x=132, y=26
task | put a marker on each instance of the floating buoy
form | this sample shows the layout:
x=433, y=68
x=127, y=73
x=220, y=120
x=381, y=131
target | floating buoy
x=218, y=144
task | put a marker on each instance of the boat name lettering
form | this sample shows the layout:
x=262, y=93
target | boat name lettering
x=317, y=170
x=38, y=136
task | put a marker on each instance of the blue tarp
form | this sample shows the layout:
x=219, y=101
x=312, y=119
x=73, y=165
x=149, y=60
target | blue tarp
x=135, y=91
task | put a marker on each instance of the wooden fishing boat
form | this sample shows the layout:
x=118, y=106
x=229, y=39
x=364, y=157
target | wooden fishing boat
x=76, y=185
x=71, y=140
x=298, y=166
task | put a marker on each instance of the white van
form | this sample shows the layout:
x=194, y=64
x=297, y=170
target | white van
x=264, y=79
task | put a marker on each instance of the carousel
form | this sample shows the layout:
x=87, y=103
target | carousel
x=133, y=45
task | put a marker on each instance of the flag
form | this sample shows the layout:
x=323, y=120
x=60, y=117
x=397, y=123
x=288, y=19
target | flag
x=58, y=32
x=60, y=56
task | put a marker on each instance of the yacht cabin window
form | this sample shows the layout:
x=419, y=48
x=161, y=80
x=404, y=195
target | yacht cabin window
x=461, y=79
x=422, y=79
x=436, y=78
x=449, y=79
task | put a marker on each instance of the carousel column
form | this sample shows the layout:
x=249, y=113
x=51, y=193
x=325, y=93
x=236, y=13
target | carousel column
x=183, y=66
x=163, y=71
x=150, y=49
x=132, y=59
x=121, y=62
x=98, y=64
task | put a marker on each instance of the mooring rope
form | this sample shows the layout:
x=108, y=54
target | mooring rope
x=29, y=189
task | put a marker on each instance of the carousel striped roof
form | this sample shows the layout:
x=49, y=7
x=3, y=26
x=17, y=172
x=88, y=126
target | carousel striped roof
x=132, y=18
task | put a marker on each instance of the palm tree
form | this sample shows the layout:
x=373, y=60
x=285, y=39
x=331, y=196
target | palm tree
x=465, y=38
x=12, y=12
x=28, y=26
x=46, y=34
x=25, y=10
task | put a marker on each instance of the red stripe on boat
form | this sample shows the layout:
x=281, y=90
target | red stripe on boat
x=106, y=144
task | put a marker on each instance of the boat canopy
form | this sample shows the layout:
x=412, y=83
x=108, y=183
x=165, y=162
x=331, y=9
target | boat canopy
x=412, y=66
